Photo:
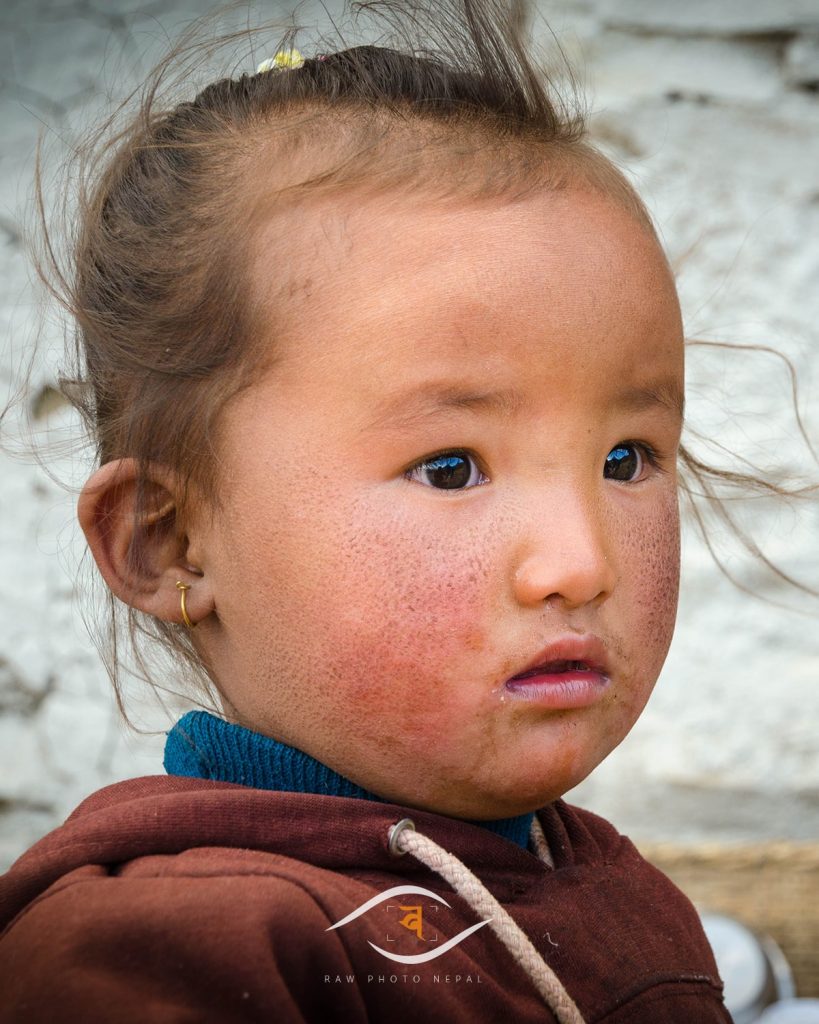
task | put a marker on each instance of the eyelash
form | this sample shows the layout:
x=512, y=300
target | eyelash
x=454, y=453
x=651, y=453
x=647, y=452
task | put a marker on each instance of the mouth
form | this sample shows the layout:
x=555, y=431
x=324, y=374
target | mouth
x=571, y=673
x=557, y=668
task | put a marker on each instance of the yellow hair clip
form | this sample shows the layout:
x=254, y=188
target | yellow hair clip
x=283, y=59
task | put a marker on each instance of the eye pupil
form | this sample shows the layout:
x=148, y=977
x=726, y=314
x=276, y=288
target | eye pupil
x=448, y=471
x=622, y=463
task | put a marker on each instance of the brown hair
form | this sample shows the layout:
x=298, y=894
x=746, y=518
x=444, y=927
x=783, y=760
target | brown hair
x=157, y=279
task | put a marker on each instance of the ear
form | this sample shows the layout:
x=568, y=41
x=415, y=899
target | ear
x=142, y=552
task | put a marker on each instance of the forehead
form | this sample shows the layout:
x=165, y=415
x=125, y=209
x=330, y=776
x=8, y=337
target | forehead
x=401, y=289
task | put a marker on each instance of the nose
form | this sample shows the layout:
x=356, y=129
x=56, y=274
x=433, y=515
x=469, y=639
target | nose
x=563, y=556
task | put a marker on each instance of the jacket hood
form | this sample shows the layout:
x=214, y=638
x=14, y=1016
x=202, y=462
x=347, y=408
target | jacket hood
x=160, y=814
x=191, y=883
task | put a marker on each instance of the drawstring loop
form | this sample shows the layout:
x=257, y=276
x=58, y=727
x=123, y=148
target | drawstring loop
x=395, y=836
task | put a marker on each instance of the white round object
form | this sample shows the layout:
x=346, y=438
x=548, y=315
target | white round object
x=743, y=967
x=791, y=1011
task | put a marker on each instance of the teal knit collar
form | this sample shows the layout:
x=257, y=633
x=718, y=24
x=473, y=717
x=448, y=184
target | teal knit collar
x=202, y=746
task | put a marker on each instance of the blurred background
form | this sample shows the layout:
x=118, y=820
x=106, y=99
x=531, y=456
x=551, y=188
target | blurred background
x=712, y=108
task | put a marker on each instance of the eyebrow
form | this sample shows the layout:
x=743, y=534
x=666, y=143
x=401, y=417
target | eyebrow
x=665, y=393
x=430, y=399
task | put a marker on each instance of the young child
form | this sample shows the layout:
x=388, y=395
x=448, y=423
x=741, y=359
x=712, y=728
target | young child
x=384, y=363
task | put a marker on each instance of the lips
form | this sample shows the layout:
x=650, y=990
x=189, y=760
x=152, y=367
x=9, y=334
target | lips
x=558, y=668
x=571, y=672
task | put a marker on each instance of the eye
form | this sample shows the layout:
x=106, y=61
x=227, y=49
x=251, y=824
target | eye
x=449, y=471
x=627, y=461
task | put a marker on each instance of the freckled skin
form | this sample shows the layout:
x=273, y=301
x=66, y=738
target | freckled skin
x=372, y=620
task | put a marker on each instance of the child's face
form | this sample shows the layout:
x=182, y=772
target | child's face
x=374, y=597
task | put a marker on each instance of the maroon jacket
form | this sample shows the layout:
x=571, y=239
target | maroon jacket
x=173, y=899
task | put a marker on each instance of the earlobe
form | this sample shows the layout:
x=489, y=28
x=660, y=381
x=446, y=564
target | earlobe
x=130, y=522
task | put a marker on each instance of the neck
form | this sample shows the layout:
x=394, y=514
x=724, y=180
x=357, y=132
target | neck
x=203, y=746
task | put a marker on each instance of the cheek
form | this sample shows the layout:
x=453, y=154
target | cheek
x=414, y=596
x=404, y=625
x=655, y=577
x=642, y=614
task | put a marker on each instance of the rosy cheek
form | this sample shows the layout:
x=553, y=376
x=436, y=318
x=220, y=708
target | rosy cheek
x=657, y=573
x=427, y=601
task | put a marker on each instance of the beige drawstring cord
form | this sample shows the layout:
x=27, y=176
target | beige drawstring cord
x=540, y=843
x=404, y=839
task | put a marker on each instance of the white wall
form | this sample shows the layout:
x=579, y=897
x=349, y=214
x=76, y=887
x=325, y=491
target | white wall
x=713, y=109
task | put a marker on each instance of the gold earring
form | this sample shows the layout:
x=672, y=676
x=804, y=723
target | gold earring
x=183, y=588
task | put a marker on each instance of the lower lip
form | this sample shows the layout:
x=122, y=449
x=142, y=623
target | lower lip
x=559, y=691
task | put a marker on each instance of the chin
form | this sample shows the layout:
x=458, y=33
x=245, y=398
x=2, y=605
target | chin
x=491, y=805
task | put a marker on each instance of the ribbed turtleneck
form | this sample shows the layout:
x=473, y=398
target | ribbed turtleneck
x=202, y=746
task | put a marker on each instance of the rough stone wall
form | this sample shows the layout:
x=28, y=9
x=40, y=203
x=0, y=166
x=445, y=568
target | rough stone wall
x=713, y=109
